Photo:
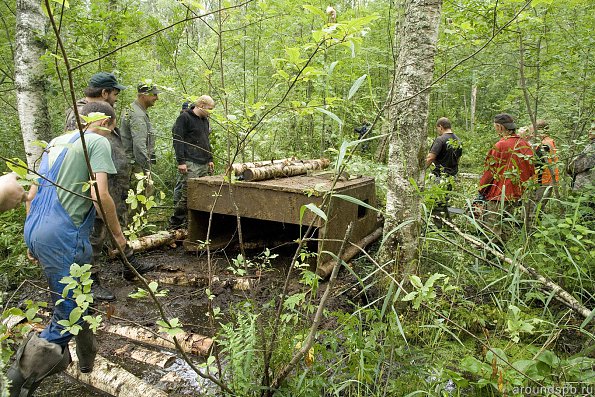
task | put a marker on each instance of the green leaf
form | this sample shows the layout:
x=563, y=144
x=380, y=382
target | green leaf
x=416, y=281
x=315, y=11
x=153, y=285
x=588, y=319
x=548, y=357
x=331, y=115
x=312, y=207
x=94, y=116
x=355, y=201
x=356, y=86
x=409, y=297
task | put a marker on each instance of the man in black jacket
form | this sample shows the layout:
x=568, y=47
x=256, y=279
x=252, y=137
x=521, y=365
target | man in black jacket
x=193, y=152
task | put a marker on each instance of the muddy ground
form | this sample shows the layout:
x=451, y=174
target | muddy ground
x=187, y=302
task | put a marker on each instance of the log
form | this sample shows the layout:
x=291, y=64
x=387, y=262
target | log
x=151, y=241
x=191, y=343
x=111, y=378
x=239, y=168
x=151, y=357
x=546, y=284
x=184, y=279
x=282, y=170
x=468, y=175
x=13, y=320
x=197, y=280
x=325, y=269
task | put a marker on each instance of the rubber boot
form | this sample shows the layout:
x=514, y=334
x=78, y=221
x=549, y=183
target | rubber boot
x=99, y=292
x=86, y=349
x=35, y=360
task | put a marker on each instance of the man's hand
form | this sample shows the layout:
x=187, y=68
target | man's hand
x=211, y=166
x=12, y=193
x=31, y=257
x=182, y=169
x=121, y=241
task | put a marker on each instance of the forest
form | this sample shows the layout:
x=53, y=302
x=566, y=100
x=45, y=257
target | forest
x=437, y=304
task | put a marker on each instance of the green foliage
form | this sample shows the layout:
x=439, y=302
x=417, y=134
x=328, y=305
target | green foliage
x=238, y=343
x=78, y=286
x=141, y=204
x=14, y=265
x=425, y=292
x=143, y=293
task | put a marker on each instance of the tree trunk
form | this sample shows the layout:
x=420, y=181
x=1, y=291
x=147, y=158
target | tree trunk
x=30, y=81
x=408, y=113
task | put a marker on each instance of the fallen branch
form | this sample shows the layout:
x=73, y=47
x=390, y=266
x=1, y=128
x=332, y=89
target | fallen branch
x=111, y=378
x=562, y=295
x=189, y=342
x=325, y=269
x=151, y=241
x=151, y=357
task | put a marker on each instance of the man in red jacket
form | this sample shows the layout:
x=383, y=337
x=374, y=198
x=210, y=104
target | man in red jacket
x=507, y=167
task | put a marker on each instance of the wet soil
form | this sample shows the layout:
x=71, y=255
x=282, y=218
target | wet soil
x=186, y=302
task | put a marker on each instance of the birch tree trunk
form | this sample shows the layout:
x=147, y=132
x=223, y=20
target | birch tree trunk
x=408, y=113
x=30, y=81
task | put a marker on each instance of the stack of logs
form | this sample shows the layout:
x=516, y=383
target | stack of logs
x=263, y=170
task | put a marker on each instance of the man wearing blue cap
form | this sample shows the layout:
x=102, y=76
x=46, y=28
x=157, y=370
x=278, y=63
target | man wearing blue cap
x=103, y=87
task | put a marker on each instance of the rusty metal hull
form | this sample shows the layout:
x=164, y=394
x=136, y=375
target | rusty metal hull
x=275, y=206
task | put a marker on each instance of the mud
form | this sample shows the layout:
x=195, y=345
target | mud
x=187, y=302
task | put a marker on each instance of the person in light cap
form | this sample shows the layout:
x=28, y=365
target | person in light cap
x=138, y=138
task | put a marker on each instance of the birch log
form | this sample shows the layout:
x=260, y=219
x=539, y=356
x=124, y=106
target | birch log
x=561, y=294
x=191, y=343
x=239, y=168
x=326, y=268
x=111, y=378
x=282, y=170
x=151, y=241
x=151, y=357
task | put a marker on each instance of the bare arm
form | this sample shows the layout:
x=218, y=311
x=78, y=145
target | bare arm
x=430, y=159
x=11, y=192
x=111, y=218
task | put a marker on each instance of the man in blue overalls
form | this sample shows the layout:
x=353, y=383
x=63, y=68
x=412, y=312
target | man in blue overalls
x=59, y=221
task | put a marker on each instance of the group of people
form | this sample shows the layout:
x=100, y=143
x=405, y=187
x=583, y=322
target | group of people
x=63, y=226
x=64, y=223
x=510, y=164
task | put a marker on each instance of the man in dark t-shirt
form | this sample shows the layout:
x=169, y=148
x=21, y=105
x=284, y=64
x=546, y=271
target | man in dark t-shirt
x=444, y=154
x=445, y=151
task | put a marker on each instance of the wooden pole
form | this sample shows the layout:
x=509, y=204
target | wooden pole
x=324, y=270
